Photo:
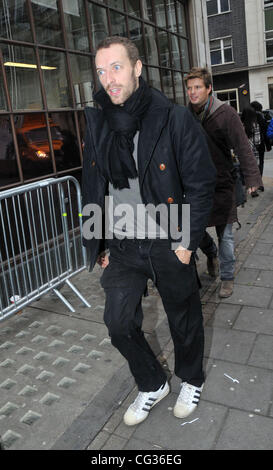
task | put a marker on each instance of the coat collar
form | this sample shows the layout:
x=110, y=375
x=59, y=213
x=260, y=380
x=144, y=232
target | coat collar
x=151, y=129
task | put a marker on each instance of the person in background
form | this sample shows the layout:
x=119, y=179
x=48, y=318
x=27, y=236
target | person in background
x=269, y=131
x=265, y=142
x=225, y=132
x=253, y=132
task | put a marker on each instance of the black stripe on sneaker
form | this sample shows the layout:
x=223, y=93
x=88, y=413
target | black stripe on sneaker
x=148, y=404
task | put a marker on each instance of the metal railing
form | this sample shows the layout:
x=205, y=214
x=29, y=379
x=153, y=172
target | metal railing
x=40, y=242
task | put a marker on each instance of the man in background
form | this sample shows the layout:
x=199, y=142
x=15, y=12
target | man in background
x=265, y=142
x=225, y=133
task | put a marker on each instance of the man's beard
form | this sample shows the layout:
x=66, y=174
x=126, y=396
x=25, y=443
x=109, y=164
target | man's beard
x=128, y=93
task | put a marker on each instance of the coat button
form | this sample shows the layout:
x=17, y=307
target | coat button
x=170, y=200
x=162, y=166
x=93, y=163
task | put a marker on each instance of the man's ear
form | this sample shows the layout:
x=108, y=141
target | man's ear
x=138, y=68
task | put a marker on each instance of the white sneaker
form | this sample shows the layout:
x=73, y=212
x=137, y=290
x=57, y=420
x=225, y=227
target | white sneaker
x=144, y=402
x=187, y=400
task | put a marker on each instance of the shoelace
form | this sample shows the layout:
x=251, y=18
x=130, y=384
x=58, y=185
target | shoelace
x=187, y=393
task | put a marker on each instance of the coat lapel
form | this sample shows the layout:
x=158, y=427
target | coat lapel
x=98, y=128
x=151, y=129
x=150, y=132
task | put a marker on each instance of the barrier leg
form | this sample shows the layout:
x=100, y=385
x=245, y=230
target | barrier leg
x=63, y=299
x=77, y=293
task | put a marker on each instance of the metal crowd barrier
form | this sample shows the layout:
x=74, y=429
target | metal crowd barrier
x=40, y=242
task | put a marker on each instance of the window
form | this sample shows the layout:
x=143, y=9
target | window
x=64, y=141
x=22, y=76
x=221, y=51
x=47, y=50
x=181, y=18
x=215, y=7
x=2, y=95
x=99, y=25
x=179, y=90
x=75, y=25
x=270, y=93
x=55, y=78
x=160, y=13
x=151, y=45
x=14, y=22
x=185, y=54
x=268, y=17
x=172, y=26
x=8, y=165
x=148, y=10
x=136, y=36
x=47, y=23
x=133, y=7
x=118, y=24
x=82, y=79
x=230, y=96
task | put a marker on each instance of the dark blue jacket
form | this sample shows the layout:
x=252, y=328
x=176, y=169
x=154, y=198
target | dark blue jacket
x=174, y=165
x=269, y=132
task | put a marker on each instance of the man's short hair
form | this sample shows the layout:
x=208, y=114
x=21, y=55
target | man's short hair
x=130, y=47
x=200, y=72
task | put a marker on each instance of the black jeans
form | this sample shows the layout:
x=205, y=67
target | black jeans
x=132, y=263
x=261, y=161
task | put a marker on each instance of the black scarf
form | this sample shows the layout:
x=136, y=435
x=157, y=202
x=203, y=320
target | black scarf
x=124, y=122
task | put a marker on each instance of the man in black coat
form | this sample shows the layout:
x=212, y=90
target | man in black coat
x=143, y=153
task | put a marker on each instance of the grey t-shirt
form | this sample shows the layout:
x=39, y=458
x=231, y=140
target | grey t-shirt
x=128, y=217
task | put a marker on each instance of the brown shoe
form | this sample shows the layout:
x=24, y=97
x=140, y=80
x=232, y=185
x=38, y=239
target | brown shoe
x=213, y=266
x=226, y=288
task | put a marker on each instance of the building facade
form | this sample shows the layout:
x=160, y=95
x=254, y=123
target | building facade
x=259, y=20
x=228, y=51
x=241, y=50
x=47, y=73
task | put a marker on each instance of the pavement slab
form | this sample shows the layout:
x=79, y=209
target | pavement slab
x=262, y=353
x=224, y=316
x=66, y=363
x=259, y=261
x=227, y=344
x=258, y=320
x=247, y=276
x=252, y=390
x=246, y=431
x=250, y=295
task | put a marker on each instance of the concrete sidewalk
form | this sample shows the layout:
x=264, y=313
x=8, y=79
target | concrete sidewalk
x=63, y=385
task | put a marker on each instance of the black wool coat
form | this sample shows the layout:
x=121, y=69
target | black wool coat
x=174, y=167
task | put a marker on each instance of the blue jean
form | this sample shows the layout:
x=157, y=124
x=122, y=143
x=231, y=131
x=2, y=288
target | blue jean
x=226, y=250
